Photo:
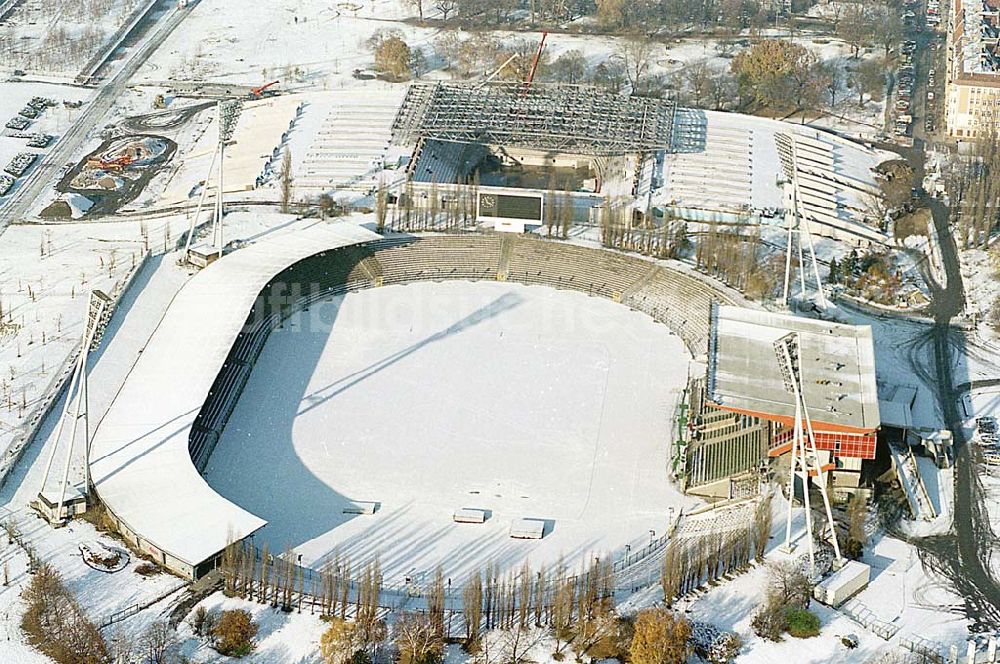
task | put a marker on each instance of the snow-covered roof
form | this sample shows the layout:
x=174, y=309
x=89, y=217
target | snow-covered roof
x=837, y=368
x=139, y=459
x=730, y=162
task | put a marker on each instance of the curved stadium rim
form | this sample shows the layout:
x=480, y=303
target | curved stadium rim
x=668, y=295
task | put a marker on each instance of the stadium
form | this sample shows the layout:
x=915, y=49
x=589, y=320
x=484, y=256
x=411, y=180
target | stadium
x=538, y=145
x=342, y=393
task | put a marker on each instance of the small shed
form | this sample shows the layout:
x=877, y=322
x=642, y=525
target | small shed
x=202, y=255
x=527, y=529
x=74, y=502
x=469, y=515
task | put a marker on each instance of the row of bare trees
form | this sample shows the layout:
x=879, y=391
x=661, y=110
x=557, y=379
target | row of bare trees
x=504, y=614
x=281, y=582
x=690, y=563
x=627, y=229
x=732, y=253
x=974, y=186
x=440, y=208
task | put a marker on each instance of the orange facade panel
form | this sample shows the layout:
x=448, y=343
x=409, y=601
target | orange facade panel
x=849, y=445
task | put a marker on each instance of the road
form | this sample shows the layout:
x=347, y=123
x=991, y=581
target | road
x=962, y=555
x=49, y=169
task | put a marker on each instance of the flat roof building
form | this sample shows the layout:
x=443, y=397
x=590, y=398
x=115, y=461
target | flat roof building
x=972, y=87
x=837, y=373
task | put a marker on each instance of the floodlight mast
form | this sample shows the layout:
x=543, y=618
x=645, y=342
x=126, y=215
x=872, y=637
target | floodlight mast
x=201, y=202
x=804, y=459
x=798, y=224
x=77, y=397
x=228, y=115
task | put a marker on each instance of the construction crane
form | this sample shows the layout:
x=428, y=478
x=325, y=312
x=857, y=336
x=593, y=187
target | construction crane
x=116, y=164
x=497, y=71
x=534, y=63
x=258, y=92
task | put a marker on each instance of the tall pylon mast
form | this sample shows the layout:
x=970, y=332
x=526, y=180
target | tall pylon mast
x=77, y=401
x=804, y=460
x=797, y=224
x=228, y=115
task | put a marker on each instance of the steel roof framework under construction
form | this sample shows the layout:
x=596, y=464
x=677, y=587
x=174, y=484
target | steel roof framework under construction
x=562, y=118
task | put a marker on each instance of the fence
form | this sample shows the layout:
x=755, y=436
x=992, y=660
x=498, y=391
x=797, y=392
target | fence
x=860, y=614
x=120, y=615
x=133, y=609
x=290, y=583
x=927, y=650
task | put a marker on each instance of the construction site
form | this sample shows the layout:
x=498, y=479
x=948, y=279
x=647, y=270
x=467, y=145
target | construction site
x=114, y=174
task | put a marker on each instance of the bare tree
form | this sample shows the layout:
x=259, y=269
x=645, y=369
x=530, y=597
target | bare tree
x=286, y=180
x=789, y=583
x=472, y=607
x=445, y=7
x=417, y=638
x=636, y=55
x=155, y=642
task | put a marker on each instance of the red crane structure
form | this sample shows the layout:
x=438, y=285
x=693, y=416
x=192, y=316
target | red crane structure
x=258, y=92
x=534, y=63
x=115, y=164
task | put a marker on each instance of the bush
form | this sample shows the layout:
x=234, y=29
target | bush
x=203, y=621
x=54, y=623
x=234, y=633
x=802, y=623
x=147, y=569
x=770, y=621
x=660, y=637
x=854, y=549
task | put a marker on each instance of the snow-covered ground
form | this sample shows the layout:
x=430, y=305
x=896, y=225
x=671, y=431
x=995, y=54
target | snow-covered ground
x=982, y=288
x=901, y=593
x=588, y=458
x=55, y=38
x=524, y=401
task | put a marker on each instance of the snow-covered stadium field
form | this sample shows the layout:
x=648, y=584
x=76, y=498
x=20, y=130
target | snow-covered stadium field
x=524, y=401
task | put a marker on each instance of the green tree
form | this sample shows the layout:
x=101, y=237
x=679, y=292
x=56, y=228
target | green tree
x=834, y=276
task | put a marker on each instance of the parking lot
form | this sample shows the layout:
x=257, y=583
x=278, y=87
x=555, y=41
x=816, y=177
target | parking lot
x=917, y=103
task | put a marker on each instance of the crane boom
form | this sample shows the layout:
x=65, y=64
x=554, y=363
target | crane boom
x=497, y=71
x=534, y=63
x=259, y=90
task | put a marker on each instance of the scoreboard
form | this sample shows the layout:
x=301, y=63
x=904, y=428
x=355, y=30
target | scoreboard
x=513, y=207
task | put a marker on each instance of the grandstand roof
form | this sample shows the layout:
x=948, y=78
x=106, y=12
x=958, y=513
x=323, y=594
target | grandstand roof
x=837, y=368
x=565, y=118
x=139, y=458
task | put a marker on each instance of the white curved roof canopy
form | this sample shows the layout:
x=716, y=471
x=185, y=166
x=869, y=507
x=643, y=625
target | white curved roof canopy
x=139, y=459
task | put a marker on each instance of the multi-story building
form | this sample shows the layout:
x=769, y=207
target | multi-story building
x=972, y=88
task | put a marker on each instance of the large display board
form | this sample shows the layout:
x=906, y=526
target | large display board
x=519, y=207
